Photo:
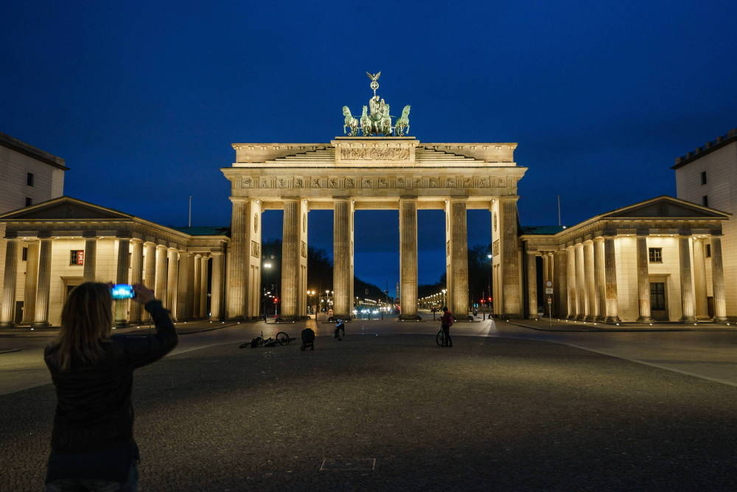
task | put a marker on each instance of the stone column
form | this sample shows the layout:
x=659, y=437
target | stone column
x=161, y=278
x=136, y=277
x=504, y=227
x=532, y=285
x=457, y=257
x=216, y=293
x=408, y=257
x=610, y=279
x=196, y=285
x=238, y=262
x=643, y=279
x=7, y=314
x=172, y=279
x=185, y=287
x=717, y=274
x=600, y=278
x=294, y=261
x=560, y=283
x=149, y=265
x=121, y=277
x=90, y=258
x=43, y=289
x=701, y=309
x=582, y=298
x=588, y=266
x=687, y=300
x=29, y=296
x=203, y=287
x=343, y=257
x=572, y=290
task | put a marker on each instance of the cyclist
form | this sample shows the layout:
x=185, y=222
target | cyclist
x=446, y=321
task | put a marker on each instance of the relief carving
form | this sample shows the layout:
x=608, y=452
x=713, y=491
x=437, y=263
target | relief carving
x=374, y=153
x=350, y=183
x=255, y=249
x=298, y=183
x=367, y=183
x=247, y=183
x=303, y=249
x=383, y=183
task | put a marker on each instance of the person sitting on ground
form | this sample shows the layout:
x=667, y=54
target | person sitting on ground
x=446, y=321
x=92, y=445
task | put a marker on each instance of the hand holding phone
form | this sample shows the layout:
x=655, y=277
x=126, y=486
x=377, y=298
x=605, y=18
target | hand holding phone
x=122, y=291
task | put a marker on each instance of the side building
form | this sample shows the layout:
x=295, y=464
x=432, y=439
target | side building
x=657, y=260
x=53, y=246
x=708, y=176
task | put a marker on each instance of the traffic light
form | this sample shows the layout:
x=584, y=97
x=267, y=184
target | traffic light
x=276, y=299
x=483, y=300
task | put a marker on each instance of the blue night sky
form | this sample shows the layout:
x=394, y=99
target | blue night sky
x=143, y=99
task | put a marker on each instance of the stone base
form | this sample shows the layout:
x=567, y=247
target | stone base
x=121, y=323
x=612, y=319
x=642, y=319
x=6, y=324
x=410, y=317
x=688, y=319
x=40, y=324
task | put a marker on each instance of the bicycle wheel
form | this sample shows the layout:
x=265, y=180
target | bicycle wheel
x=283, y=338
x=440, y=338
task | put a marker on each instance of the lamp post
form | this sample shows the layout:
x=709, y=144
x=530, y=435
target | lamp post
x=445, y=302
x=310, y=293
x=491, y=296
x=268, y=265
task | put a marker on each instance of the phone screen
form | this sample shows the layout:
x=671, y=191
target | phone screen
x=123, y=291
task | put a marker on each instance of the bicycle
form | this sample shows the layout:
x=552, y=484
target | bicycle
x=281, y=338
x=440, y=338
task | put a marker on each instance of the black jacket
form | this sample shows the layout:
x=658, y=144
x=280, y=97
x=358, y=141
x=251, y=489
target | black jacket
x=94, y=412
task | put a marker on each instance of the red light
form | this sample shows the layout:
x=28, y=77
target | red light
x=483, y=301
x=276, y=299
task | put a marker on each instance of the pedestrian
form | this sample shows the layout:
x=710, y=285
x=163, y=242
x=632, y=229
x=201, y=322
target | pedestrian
x=339, y=329
x=446, y=321
x=92, y=445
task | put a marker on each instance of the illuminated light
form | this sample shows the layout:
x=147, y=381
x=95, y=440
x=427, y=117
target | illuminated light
x=617, y=324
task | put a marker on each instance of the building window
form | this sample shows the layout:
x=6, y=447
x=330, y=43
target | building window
x=707, y=252
x=29, y=179
x=656, y=255
x=703, y=177
x=705, y=200
x=24, y=254
x=657, y=296
x=29, y=201
x=76, y=257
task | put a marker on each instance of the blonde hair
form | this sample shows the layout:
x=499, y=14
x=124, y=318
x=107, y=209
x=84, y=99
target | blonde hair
x=86, y=320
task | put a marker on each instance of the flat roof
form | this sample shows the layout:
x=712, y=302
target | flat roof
x=31, y=151
x=708, y=148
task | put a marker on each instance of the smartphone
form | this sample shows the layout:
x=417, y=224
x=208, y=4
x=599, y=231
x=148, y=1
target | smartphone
x=123, y=291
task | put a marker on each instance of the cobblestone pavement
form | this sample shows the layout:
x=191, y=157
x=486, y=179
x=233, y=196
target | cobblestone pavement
x=391, y=412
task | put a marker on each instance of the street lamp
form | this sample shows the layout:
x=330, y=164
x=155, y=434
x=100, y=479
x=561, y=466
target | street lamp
x=445, y=301
x=310, y=293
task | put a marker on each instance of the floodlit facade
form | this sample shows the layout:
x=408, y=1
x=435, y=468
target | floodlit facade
x=708, y=176
x=658, y=260
x=58, y=244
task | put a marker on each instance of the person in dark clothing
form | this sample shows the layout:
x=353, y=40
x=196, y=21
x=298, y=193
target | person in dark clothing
x=92, y=445
x=446, y=321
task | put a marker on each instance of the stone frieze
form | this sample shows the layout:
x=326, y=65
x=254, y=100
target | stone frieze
x=390, y=182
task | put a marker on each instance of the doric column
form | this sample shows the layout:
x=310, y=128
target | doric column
x=183, y=310
x=457, y=257
x=582, y=298
x=203, y=287
x=684, y=257
x=149, y=265
x=29, y=296
x=588, y=266
x=243, y=299
x=600, y=278
x=216, y=292
x=294, y=261
x=172, y=279
x=643, y=279
x=238, y=263
x=90, y=258
x=343, y=257
x=572, y=290
x=196, y=285
x=408, y=257
x=7, y=314
x=43, y=290
x=717, y=274
x=532, y=285
x=508, y=295
x=136, y=277
x=121, y=277
x=610, y=273
x=560, y=283
x=161, y=277
x=701, y=309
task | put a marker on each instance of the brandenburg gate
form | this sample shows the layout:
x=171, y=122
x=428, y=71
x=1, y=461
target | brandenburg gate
x=381, y=169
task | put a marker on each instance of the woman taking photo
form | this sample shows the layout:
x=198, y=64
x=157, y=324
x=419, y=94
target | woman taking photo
x=92, y=445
